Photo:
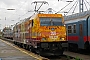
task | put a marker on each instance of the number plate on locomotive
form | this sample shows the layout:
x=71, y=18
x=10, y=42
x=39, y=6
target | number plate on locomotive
x=53, y=37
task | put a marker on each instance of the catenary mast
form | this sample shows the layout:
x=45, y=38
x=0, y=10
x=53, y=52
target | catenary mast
x=81, y=6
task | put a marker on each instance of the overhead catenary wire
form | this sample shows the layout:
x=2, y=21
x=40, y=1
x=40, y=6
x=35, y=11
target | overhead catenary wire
x=64, y=7
x=71, y=7
x=18, y=9
x=86, y=6
x=43, y=2
x=21, y=6
x=87, y=2
x=74, y=8
x=22, y=15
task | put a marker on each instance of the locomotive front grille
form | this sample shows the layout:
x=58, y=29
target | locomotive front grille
x=51, y=45
x=44, y=45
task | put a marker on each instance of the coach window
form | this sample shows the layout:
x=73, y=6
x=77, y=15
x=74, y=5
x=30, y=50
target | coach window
x=69, y=29
x=74, y=28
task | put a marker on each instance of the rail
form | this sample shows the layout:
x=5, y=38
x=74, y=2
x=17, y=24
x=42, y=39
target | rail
x=9, y=40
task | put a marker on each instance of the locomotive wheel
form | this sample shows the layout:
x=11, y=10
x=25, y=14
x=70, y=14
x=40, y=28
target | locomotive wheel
x=31, y=49
x=21, y=45
x=14, y=42
x=27, y=47
x=37, y=51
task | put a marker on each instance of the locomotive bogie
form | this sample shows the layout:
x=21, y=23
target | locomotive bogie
x=50, y=48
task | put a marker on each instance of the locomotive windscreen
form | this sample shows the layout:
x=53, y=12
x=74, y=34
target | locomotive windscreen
x=46, y=21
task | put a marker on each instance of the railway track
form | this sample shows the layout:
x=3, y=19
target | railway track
x=63, y=57
x=81, y=56
x=72, y=56
x=67, y=55
x=44, y=57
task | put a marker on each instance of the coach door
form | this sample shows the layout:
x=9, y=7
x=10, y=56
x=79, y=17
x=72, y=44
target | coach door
x=81, y=30
x=81, y=41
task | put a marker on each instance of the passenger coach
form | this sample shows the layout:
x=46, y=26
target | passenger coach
x=78, y=28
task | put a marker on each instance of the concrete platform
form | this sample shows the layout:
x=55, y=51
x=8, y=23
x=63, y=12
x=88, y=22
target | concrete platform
x=8, y=52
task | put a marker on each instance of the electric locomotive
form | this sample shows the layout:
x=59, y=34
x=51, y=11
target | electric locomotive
x=44, y=34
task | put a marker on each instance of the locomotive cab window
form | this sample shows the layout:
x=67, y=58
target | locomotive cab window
x=49, y=21
x=69, y=29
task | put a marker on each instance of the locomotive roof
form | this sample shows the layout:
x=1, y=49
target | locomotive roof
x=77, y=15
x=39, y=15
x=29, y=18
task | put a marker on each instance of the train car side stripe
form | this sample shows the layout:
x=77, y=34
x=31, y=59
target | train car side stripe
x=73, y=38
x=85, y=38
x=89, y=38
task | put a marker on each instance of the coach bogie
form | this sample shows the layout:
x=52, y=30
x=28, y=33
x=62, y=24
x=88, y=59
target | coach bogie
x=50, y=48
x=86, y=46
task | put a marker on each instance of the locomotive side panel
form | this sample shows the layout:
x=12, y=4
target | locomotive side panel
x=28, y=32
x=23, y=32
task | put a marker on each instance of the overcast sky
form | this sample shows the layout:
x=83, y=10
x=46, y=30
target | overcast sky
x=10, y=17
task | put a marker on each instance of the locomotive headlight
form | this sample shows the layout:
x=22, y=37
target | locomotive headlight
x=43, y=38
x=39, y=34
x=65, y=33
x=64, y=25
x=61, y=38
